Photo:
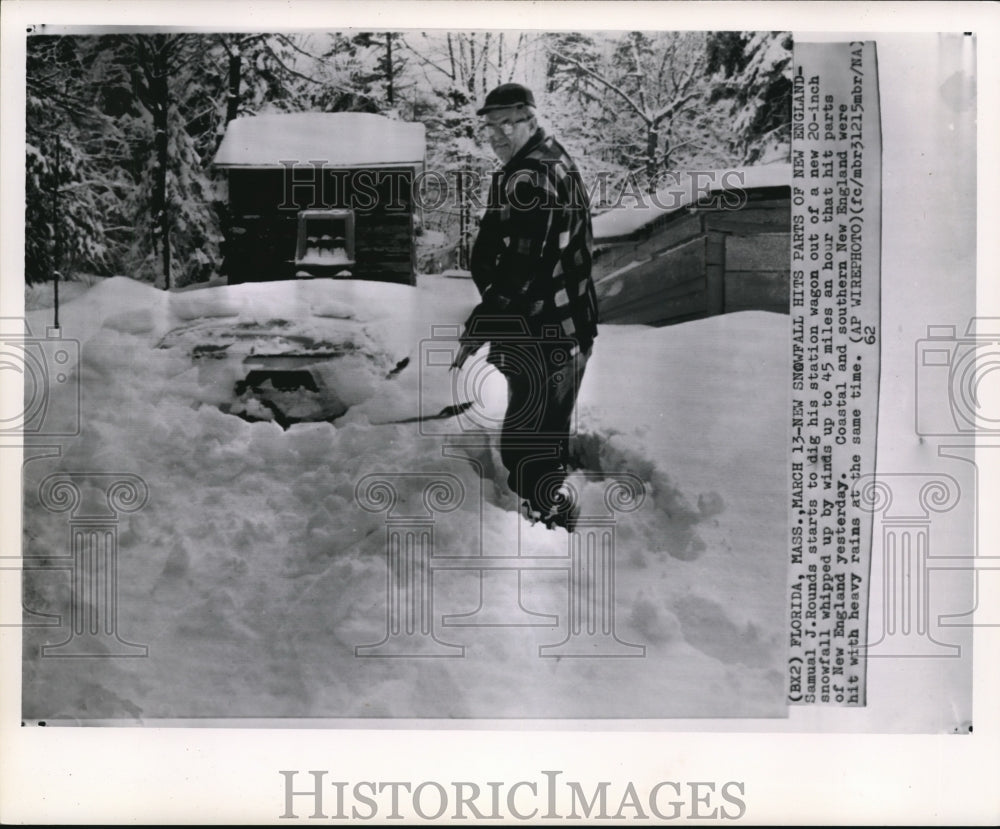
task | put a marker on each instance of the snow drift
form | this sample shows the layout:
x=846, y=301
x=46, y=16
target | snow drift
x=253, y=574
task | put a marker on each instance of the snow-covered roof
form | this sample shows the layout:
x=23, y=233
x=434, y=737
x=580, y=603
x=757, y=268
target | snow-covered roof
x=340, y=139
x=685, y=189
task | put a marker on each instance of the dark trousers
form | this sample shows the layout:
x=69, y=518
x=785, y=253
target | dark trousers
x=542, y=385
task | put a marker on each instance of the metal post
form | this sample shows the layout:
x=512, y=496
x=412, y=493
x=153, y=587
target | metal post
x=56, y=247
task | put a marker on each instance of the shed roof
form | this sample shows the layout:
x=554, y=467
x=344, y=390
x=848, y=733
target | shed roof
x=686, y=190
x=339, y=139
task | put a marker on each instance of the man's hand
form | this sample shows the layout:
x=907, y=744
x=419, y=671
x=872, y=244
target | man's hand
x=466, y=349
x=495, y=302
x=492, y=303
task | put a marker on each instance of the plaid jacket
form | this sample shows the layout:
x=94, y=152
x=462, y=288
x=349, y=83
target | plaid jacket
x=532, y=257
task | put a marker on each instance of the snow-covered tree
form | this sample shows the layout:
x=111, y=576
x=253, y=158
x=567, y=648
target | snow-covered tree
x=751, y=75
x=65, y=192
x=139, y=118
x=457, y=70
x=640, y=101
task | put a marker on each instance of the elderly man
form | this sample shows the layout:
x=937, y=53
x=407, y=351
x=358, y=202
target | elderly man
x=531, y=262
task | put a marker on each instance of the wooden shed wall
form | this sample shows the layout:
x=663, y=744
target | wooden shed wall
x=266, y=207
x=699, y=262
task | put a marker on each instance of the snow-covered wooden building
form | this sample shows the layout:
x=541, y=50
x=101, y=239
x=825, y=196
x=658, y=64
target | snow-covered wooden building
x=321, y=194
x=709, y=243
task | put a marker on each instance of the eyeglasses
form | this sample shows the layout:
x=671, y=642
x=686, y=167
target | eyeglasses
x=506, y=127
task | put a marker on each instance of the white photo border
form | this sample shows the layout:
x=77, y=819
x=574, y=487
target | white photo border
x=820, y=765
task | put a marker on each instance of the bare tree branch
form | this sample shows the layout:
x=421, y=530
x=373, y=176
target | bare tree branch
x=425, y=60
x=668, y=61
x=238, y=42
x=293, y=45
x=248, y=39
x=451, y=58
x=675, y=106
x=224, y=43
x=694, y=66
x=517, y=51
x=289, y=69
x=668, y=151
x=638, y=72
x=607, y=85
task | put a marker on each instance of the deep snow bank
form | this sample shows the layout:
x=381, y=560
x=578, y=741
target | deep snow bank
x=253, y=573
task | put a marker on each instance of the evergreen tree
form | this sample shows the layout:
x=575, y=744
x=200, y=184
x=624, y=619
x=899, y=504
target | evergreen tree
x=138, y=118
x=381, y=66
x=64, y=191
x=752, y=80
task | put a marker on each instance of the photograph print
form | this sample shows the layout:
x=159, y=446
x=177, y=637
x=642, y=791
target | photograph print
x=404, y=375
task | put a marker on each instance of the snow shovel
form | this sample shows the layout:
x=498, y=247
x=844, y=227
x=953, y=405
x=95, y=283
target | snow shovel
x=444, y=414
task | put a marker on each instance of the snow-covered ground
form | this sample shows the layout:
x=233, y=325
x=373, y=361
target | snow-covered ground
x=252, y=573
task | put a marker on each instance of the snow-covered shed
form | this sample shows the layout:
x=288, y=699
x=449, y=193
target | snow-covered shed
x=321, y=194
x=708, y=243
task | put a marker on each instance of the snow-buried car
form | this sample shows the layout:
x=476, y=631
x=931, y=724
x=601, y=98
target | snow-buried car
x=311, y=350
x=278, y=374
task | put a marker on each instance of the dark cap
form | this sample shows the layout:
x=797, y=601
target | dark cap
x=507, y=95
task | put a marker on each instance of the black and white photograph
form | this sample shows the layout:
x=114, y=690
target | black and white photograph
x=403, y=364
x=458, y=384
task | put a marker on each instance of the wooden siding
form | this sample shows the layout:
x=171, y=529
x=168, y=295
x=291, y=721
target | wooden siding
x=264, y=210
x=659, y=289
x=699, y=262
